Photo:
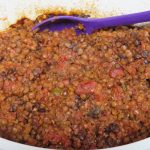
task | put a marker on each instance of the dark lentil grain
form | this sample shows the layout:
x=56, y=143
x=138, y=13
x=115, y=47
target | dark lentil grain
x=112, y=128
x=94, y=112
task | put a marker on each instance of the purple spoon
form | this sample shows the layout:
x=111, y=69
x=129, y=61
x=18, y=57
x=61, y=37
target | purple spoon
x=59, y=23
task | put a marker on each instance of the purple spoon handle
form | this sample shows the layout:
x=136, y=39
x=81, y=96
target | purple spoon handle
x=119, y=20
x=58, y=23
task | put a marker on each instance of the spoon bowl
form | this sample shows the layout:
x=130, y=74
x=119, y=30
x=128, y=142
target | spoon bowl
x=58, y=23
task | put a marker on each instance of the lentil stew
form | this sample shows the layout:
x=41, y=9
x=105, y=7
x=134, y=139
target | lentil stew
x=59, y=90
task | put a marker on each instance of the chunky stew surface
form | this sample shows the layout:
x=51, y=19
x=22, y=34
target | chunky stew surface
x=59, y=90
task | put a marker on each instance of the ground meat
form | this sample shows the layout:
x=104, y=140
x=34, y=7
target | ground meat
x=60, y=90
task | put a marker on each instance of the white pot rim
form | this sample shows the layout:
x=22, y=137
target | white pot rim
x=126, y=6
x=9, y=145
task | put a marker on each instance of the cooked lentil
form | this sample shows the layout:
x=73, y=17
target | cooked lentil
x=59, y=90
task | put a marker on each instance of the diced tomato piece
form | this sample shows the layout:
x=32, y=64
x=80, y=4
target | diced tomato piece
x=63, y=59
x=148, y=58
x=66, y=82
x=1, y=83
x=117, y=72
x=86, y=87
x=147, y=72
x=8, y=86
x=143, y=45
x=101, y=96
x=78, y=116
x=62, y=63
x=117, y=93
x=132, y=70
x=56, y=138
